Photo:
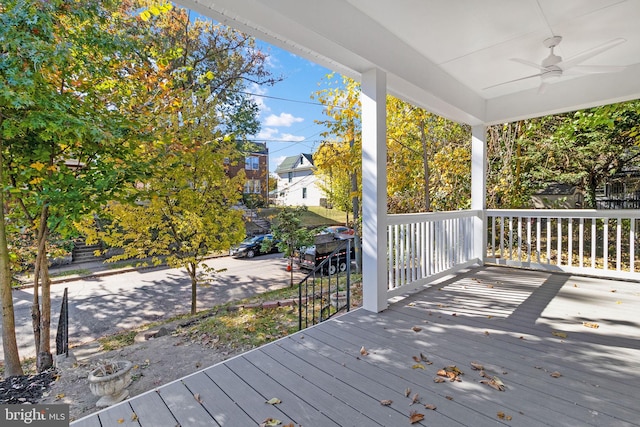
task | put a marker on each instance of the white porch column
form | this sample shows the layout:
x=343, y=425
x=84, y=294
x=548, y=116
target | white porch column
x=374, y=190
x=479, y=188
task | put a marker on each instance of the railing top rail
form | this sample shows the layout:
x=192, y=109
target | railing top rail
x=408, y=218
x=565, y=213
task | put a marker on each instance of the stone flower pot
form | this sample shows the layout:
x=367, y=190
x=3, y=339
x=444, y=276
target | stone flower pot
x=109, y=381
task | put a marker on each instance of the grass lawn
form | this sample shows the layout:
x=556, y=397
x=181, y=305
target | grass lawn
x=314, y=217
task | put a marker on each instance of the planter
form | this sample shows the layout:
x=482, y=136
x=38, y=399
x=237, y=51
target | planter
x=338, y=300
x=109, y=381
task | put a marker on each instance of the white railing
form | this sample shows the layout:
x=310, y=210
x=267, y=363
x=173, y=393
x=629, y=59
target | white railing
x=424, y=247
x=594, y=242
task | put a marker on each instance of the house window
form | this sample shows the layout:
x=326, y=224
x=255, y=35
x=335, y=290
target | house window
x=252, y=186
x=290, y=176
x=304, y=193
x=252, y=163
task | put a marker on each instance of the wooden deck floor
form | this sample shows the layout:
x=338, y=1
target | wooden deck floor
x=511, y=321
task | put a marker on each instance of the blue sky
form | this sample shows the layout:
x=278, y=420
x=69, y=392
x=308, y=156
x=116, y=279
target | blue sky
x=288, y=123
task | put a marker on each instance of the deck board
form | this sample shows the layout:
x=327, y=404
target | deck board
x=224, y=411
x=500, y=317
x=151, y=410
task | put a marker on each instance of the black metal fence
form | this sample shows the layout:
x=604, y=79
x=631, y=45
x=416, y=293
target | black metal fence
x=326, y=290
x=62, y=335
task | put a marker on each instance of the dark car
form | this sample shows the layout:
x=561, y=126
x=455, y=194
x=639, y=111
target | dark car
x=252, y=246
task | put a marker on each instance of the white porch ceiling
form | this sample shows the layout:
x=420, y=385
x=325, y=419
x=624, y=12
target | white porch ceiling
x=443, y=54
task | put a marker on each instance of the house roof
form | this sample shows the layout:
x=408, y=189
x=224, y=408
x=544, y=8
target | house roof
x=293, y=162
x=454, y=57
x=557, y=189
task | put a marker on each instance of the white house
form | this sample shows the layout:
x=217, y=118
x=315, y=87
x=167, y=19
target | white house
x=297, y=185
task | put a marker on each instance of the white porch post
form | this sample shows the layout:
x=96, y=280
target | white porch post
x=374, y=190
x=479, y=188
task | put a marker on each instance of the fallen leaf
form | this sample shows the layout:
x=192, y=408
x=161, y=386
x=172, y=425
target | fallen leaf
x=508, y=418
x=197, y=397
x=618, y=302
x=386, y=402
x=411, y=304
x=494, y=382
x=501, y=415
x=134, y=417
x=416, y=358
x=441, y=373
x=363, y=351
x=270, y=422
x=120, y=420
x=556, y=374
x=449, y=397
x=476, y=366
x=486, y=332
x=407, y=392
x=489, y=317
x=273, y=401
x=559, y=334
x=438, y=380
x=430, y=406
x=416, y=329
x=415, y=417
x=592, y=325
x=415, y=399
x=490, y=286
x=424, y=359
x=59, y=395
x=613, y=290
x=418, y=366
x=575, y=285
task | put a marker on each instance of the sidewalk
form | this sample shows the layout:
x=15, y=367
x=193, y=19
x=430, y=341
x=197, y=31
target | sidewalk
x=82, y=270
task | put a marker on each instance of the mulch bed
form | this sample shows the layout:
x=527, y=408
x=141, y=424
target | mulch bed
x=26, y=388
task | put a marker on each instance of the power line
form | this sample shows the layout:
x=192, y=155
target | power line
x=283, y=99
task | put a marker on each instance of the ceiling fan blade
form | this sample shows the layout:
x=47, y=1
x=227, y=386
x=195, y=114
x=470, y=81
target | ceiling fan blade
x=595, y=69
x=511, y=81
x=590, y=53
x=542, y=88
x=528, y=63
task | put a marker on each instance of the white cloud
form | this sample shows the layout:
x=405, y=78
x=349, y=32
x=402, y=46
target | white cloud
x=284, y=119
x=267, y=133
x=290, y=137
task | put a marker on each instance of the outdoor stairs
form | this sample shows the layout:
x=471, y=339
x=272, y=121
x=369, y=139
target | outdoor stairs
x=85, y=253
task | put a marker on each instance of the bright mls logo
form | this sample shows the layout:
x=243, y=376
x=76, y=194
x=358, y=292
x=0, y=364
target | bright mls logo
x=34, y=415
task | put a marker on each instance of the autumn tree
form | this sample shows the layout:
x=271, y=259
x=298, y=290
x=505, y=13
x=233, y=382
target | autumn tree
x=428, y=160
x=184, y=211
x=65, y=101
x=339, y=161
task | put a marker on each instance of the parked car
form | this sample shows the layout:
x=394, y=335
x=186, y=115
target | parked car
x=252, y=246
x=338, y=229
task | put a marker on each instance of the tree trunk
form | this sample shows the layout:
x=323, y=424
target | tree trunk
x=9, y=344
x=355, y=204
x=194, y=287
x=425, y=164
x=41, y=316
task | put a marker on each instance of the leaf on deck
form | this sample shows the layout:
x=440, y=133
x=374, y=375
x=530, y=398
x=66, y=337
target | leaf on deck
x=273, y=401
x=476, y=366
x=494, y=382
x=386, y=402
x=415, y=417
x=592, y=325
x=559, y=334
x=416, y=329
x=363, y=351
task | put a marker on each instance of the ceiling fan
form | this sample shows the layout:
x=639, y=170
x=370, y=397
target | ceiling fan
x=553, y=66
